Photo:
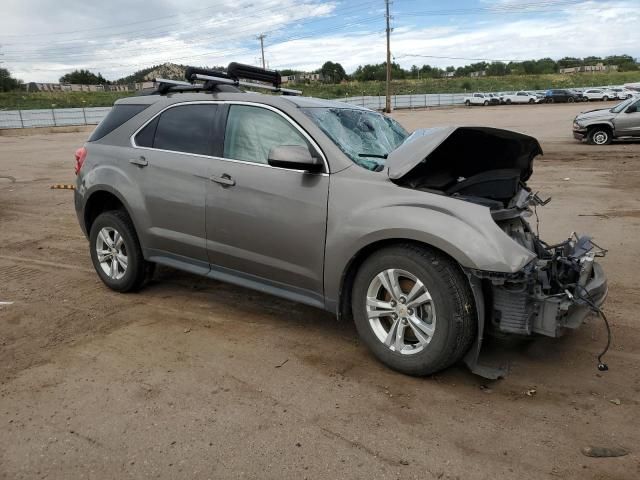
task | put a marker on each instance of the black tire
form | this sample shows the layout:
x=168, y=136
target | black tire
x=531, y=100
x=571, y=99
x=138, y=270
x=605, y=98
x=455, y=313
x=550, y=100
x=467, y=103
x=508, y=101
x=486, y=102
x=599, y=135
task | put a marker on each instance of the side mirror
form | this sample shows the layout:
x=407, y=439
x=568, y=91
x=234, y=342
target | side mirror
x=295, y=157
x=631, y=109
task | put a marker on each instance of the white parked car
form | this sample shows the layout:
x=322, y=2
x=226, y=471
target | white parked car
x=477, y=99
x=598, y=94
x=622, y=93
x=519, y=97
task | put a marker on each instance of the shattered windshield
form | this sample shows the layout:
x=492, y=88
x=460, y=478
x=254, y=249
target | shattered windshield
x=366, y=137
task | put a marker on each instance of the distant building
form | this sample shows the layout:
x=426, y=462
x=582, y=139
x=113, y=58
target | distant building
x=598, y=67
x=479, y=73
x=303, y=77
x=449, y=74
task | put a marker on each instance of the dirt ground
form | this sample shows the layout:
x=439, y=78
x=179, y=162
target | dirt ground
x=193, y=378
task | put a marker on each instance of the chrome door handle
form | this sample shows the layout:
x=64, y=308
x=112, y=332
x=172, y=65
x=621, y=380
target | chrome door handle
x=140, y=162
x=224, y=180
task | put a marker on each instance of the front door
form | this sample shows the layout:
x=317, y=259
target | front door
x=628, y=122
x=170, y=164
x=266, y=223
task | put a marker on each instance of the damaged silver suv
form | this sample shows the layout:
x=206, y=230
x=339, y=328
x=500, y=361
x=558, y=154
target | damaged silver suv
x=423, y=239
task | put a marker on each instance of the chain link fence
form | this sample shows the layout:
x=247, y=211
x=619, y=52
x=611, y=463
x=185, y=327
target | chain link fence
x=56, y=117
x=52, y=117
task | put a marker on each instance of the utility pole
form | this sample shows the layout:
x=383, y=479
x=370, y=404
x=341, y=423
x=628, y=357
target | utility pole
x=261, y=38
x=388, y=17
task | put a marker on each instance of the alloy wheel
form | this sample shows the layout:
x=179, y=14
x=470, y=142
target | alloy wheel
x=112, y=253
x=600, y=137
x=401, y=312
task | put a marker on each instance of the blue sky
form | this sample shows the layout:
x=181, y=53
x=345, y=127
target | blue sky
x=42, y=39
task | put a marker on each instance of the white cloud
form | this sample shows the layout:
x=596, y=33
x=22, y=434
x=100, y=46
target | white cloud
x=589, y=28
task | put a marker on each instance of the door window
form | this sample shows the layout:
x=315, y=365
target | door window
x=253, y=131
x=185, y=128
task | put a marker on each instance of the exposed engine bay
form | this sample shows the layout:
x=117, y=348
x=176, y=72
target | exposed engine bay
x=490, y=167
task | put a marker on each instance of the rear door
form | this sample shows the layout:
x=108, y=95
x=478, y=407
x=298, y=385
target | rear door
x=170, y=162
x=266, y=223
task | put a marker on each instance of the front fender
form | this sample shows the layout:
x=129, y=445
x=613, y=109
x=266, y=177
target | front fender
x=366, y=210
x=593, y=123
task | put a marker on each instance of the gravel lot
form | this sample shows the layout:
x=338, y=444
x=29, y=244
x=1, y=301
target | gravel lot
x=192, y=378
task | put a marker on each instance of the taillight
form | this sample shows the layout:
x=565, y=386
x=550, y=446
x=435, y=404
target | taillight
x=81, y=154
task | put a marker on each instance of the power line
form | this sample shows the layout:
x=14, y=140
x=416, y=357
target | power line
x=501, y=9
x=216, y=52
x=68, y=50
x=261, y=13
x=459, y=58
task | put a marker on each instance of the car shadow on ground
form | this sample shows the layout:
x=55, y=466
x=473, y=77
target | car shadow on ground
x=328, y=334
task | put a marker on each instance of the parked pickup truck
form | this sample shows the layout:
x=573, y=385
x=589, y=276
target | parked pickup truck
x=600, y=127
x=518, y=97
x=480, y=99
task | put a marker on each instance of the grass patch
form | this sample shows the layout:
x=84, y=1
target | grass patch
x=35, y=100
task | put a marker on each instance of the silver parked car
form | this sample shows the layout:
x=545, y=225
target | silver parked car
x=602, y=126
x=421, y=238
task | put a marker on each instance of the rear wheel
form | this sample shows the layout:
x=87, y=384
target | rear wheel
x=116, y=253
x=414, y=309
x=508, y=102
x=599, y=136
x=467, y=103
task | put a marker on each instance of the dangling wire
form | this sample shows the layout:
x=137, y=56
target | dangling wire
x=603, y=367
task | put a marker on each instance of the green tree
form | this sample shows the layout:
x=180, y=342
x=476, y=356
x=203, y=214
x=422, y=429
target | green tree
x=497, y=69
x=625, y=63
x=83, y=77
x=333, y=72
x=568, y=62
x=7, y=82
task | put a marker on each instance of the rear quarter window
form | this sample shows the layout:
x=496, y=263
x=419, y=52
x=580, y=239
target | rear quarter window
x=183, y=128
x=118, y=115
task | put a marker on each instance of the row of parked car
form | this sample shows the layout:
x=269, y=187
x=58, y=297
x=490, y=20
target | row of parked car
x=555, y=95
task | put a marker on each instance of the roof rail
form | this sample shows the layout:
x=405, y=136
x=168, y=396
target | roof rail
x=232, y=77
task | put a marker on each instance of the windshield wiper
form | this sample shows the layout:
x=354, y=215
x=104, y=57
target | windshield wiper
x=373, y=155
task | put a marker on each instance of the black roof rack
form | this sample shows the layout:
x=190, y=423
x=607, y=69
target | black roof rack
x=236, y=75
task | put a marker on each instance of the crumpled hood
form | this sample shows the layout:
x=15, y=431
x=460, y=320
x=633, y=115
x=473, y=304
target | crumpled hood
x=462, y=152
x=599, y=114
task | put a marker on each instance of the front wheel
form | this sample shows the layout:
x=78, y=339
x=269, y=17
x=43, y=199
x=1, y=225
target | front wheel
x=414, y=309
x=605, y=98
x=599, y=136
x=571, y=100
x=486, y=102
x=116, y=253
